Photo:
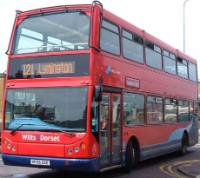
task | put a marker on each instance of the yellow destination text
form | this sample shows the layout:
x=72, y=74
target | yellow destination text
x=48, y=68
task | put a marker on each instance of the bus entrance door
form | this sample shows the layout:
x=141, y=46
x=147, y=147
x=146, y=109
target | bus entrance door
x=110, y=129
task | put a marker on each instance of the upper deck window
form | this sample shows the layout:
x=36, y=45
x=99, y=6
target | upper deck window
x=53, y=32
x=192, y=72
x=132, y=46
x=110, y=38
x=182, y=66
x=153, y=55
x=169, y=62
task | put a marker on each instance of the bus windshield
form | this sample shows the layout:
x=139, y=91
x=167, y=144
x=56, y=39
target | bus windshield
x=59, y=31
x=46, y=109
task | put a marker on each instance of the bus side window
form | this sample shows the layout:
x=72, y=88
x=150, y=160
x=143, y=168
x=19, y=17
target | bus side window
x=154, y=110
x=133, y=109
x=183, y=111
x=153, y=55
x=170, y=110
x=169, y=62
x=110, y=40
x=132, y=47
x=182, y=67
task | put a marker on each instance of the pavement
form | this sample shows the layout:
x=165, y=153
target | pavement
x=190, y=170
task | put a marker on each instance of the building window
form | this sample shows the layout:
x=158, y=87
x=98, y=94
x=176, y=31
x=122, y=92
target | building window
x=169, y=62
x=154, y=110
x=182, y=67
x=110, y=38
x=183, y=111
x=170, y=110
x=132, y=47
x=153, y=55
x=192, y=72
x=133, y=109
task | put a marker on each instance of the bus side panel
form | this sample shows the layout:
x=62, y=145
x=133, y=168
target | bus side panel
x=155, y=140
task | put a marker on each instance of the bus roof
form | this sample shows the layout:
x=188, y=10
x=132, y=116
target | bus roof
x=52, y=9
x=119, y=21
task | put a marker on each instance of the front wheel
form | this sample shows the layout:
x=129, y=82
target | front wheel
x=131, y=156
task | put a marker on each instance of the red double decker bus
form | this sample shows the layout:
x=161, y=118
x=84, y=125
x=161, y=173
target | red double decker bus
x=87, y=91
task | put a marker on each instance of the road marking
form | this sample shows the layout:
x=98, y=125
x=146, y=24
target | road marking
x=197, y=145
x=166, y=172
x=170, y=169
x=167, y=169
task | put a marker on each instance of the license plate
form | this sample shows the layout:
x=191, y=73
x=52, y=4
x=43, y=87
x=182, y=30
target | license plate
x=40, y=162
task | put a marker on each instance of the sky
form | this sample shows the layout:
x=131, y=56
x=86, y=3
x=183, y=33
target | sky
x=161, y=18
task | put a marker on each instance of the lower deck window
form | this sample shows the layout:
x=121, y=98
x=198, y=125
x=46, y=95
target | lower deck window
x=191, y=107
x=183, y=111
x=133, y=109
x=170, y=110
x=154, y=110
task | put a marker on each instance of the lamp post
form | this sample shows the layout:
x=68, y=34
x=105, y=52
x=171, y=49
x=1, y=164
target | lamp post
x=184, y=4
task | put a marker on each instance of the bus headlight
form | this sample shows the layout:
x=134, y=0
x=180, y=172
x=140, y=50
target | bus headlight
x=76, y=149
x=9, y=146
x=14, y=148
x=69, y=151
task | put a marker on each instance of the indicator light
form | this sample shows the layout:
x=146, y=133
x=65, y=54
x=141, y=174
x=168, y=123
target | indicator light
x=83, y=145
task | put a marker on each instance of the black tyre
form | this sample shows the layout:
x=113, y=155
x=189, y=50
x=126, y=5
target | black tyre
x=131, y=156
x=184, y=144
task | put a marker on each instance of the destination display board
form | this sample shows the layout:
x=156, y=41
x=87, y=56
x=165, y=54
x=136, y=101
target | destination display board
x=49, y=66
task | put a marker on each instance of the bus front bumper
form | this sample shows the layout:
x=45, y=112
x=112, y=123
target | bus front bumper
x=85, y=165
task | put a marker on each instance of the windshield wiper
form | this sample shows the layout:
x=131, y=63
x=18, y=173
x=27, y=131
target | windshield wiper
x=63, y=131
x=17, y=128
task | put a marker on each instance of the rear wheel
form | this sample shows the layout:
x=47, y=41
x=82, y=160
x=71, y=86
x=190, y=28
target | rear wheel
x=184, y=144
